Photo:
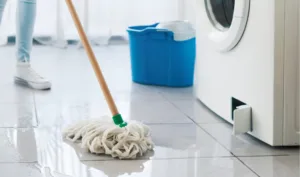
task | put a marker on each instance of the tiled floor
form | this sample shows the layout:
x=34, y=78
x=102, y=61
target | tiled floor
x=190, y=140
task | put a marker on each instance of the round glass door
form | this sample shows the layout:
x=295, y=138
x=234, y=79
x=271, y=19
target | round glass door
x=229, y=20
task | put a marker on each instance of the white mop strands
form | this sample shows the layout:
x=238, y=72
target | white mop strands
x=104, y=137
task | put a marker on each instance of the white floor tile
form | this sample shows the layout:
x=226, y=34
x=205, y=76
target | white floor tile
x=172, y=141
x=243, y=145
x=185, y=140
x=89, y=93
x=274, y=166
x=176, y=93
x=60, y=114
x=32, y=145
x=18, y=145
x=197, y=111
x=20, y=115
x=225, y=167
x=12, y=93
x=31, y=123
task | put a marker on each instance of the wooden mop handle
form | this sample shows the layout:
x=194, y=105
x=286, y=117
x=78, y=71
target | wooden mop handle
x=93, y=60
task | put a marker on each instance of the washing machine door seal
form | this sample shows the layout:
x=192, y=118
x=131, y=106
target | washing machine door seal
x=226, y=38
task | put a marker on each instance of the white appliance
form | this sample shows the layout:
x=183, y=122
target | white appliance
x=248, y=56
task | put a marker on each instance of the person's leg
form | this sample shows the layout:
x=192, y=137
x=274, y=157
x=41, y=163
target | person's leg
x=26, y=13
x=2, y=5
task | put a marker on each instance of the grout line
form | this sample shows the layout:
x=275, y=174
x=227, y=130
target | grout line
x=237, y=157
x=247, y=166
x=216, y=140
x=254, y=156
x=211, y=123
x=201, y=127
x=174, y=105
x=229, y=151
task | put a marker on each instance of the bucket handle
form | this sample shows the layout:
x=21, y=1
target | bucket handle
x=154, y=33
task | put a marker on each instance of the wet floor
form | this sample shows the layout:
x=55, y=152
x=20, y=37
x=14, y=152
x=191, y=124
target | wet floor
x=190, y=140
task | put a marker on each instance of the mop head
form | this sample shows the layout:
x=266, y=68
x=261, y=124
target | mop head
x=104, y=137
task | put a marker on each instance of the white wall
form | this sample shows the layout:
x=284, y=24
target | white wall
x=103, y=16
x=189, y=13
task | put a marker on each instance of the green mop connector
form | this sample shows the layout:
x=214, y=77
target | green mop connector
x=118, y=120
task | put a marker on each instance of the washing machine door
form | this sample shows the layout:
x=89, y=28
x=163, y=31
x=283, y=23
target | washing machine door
x=229, y=20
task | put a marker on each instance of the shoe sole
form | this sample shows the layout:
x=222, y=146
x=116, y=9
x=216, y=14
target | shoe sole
x=32, y=84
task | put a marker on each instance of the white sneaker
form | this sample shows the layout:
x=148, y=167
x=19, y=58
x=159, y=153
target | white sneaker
x=25, y=75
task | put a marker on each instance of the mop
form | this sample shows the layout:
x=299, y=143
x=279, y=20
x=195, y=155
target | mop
x=116, y=138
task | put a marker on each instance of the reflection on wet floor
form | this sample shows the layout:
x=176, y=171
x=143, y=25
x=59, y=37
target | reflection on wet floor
x=190, y=140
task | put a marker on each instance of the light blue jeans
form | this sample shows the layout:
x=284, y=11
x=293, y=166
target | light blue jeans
x=26, y=12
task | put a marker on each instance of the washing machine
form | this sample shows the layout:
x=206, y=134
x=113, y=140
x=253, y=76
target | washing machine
x=247, y=67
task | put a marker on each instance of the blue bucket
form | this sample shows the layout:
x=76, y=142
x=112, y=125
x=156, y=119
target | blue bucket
x=157, y=59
